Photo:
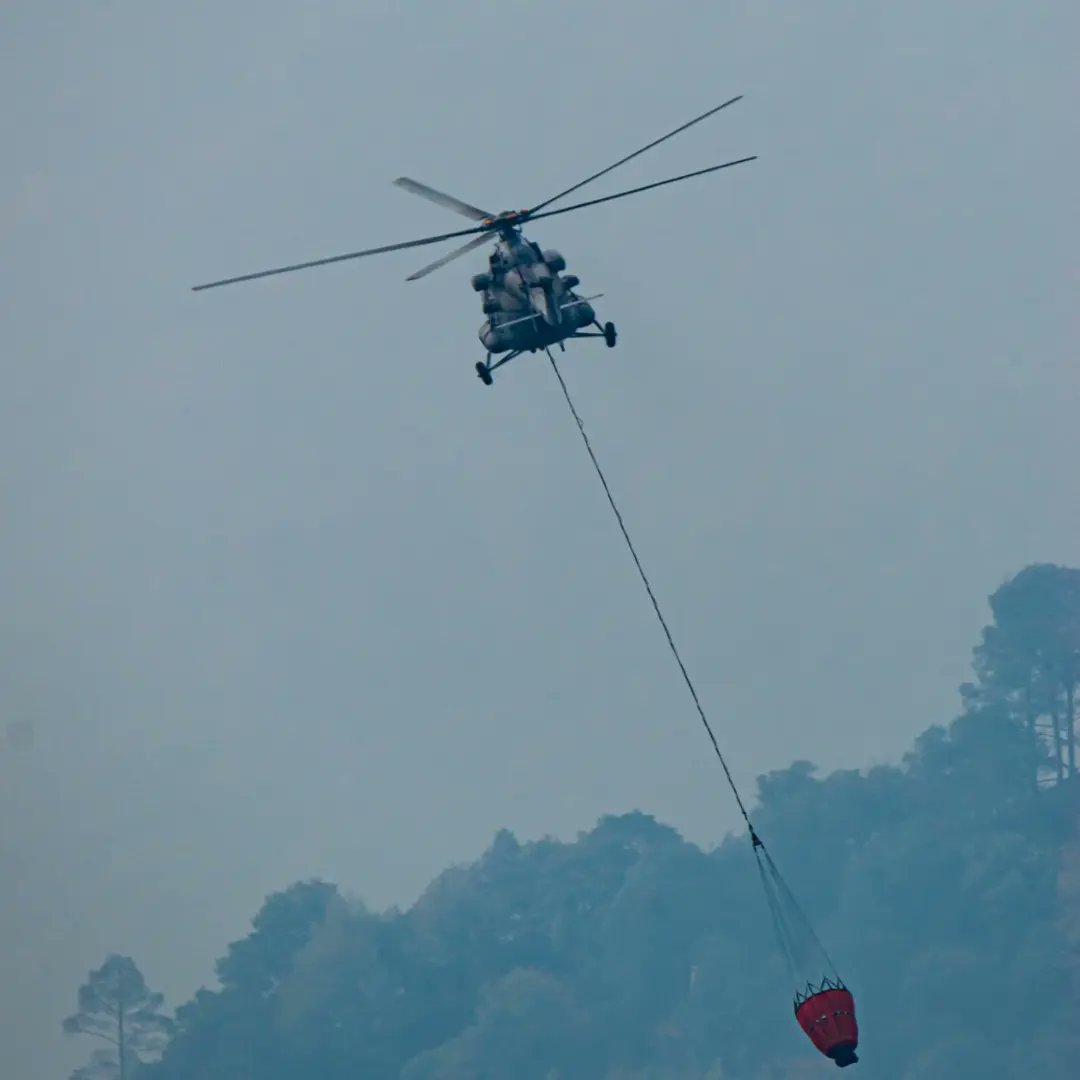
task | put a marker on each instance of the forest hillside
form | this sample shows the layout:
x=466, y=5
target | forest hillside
x=947, y=888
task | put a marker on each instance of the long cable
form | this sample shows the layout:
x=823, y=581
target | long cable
x=776, y=888
x=652, y=597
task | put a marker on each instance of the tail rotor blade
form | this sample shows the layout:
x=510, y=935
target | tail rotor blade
x=441, y=198
x=475, y=242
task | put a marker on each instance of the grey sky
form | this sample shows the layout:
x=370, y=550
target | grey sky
x=288, y=592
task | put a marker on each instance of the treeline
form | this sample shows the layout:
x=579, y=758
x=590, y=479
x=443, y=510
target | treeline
x=947, y=889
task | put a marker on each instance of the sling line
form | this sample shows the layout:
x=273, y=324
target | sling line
x=652, y=597
x=777, y=892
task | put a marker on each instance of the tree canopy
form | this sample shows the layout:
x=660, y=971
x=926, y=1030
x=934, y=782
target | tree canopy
x=116, y=1005
x=947, y=888
x=1028, y=662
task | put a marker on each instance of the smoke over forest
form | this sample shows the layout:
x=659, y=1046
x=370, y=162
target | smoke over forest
x=946, y=888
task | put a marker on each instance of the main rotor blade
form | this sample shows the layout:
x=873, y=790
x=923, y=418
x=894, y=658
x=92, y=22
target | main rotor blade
x=342, y=258
x=646, y=187
x=475, y=242
x=623, y=161
x=441, y=198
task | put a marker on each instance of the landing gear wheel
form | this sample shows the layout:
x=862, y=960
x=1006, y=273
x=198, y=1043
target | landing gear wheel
x=483, y=373
x=609, y=335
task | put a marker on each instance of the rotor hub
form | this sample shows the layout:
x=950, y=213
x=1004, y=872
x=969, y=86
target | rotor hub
x=507, y=217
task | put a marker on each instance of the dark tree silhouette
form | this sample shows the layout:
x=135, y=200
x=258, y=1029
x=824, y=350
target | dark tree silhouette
x=116, y=1005
x=1028, y=661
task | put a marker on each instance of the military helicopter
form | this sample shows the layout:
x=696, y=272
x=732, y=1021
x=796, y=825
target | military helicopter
x=529, y=301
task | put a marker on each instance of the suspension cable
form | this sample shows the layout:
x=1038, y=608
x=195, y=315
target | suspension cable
x=783, y=933
x=656, y=606
x=785, y=893
x=783, y=906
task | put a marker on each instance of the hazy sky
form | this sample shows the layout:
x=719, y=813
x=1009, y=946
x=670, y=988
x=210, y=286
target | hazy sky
x=287, y=592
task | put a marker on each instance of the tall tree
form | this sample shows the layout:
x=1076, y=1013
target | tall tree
x=1029, y=659
x=116, y=1005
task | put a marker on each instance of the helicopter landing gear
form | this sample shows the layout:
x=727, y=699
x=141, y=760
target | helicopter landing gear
x=483, y=371
x=607, y=332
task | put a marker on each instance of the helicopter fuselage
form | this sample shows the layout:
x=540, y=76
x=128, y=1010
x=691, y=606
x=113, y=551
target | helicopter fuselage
x=529, y=303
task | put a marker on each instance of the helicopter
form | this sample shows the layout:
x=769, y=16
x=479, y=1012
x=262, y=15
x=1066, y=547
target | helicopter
x=529, y=300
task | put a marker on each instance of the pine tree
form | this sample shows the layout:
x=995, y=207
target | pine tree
x=116, y=1005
